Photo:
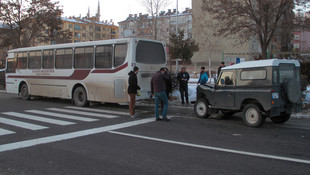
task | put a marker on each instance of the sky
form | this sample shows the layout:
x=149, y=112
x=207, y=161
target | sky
x=117, y=10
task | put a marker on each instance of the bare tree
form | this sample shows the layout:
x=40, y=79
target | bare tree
x=29, y=22
x=210, y=43
x=247, y=18
x=154, y=7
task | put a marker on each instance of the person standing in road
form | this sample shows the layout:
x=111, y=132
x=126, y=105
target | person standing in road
x=183, y=78
x=133, y=88
x=168, y=89
x=158, y=90
x=220, y=68
x=203, y=79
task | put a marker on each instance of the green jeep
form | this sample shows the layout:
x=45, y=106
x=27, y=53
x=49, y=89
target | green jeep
x=258, y=89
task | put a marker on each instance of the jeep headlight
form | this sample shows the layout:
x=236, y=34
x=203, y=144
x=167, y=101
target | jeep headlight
x=275, y=95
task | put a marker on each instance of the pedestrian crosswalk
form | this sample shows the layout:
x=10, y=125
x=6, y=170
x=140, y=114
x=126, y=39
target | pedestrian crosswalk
x=46, y=118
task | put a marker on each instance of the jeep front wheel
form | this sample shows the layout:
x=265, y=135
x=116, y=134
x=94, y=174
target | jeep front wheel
x=252, y=116
x=201, y=108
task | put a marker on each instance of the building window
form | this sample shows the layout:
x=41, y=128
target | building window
x=296, y=46
x=70, y=26
x=97, y=36
x=98, y=28
x=296, y=37
x=77, y=35
x=77, y=27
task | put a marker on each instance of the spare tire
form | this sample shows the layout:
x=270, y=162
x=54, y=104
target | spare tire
x=291, y=90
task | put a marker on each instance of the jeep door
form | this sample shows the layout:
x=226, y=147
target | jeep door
x=225, y=90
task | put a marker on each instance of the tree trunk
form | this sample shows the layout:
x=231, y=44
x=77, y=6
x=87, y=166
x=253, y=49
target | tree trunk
x=264, y=51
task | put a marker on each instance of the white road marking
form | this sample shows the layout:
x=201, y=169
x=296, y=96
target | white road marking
x=5, y=132
x=41, y=119
x=61, y=137
x=72, y=117
x=21, y=124
x=98, y=110
x=214, y=148
x=82, y=113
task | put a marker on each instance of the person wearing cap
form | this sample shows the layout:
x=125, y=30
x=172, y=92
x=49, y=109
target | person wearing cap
x=158, y=90
x=132, y=90
x=203, y=79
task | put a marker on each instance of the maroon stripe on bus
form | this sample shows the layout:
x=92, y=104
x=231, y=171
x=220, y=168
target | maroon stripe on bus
x=77, y=75
x=112, y=70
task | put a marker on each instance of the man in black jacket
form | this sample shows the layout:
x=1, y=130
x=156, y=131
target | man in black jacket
x=183, y=78
x=133, y=87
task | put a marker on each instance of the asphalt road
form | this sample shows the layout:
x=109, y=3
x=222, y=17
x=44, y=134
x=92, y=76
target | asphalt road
x=56, y=138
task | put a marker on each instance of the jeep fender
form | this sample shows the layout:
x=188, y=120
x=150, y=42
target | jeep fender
x=253, y=101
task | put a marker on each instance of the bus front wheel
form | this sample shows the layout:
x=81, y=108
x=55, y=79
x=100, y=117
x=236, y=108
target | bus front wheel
x=80, y=97
x=24, y=92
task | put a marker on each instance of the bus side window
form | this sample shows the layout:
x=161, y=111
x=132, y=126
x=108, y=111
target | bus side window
x=34, y=60
x=48, y=59
x=22, y=60
x=64, y=58
x=104, y=56
x=83, y=57
x=120, y=53
x=10, y=66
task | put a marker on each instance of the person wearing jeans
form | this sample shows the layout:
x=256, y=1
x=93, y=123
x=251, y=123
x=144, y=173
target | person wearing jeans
x=158, y=90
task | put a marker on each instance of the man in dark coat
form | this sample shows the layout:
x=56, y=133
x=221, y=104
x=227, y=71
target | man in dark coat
x=132, y=90
x=158, y=90
x=183, y=78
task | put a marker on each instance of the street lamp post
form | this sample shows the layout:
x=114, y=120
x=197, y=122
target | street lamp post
x=176, y=28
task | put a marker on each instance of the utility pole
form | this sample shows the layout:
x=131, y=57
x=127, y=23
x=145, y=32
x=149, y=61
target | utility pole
x=177, y=33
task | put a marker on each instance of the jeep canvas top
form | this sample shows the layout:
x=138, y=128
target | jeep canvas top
x=258, y=89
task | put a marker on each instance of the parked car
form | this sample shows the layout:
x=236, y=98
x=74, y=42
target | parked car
x=258, y=89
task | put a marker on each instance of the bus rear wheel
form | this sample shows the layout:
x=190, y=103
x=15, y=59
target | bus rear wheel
x=24, y=92
x=80, y=97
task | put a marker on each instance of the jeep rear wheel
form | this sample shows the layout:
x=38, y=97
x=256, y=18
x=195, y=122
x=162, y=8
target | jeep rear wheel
x=201, y=108
x=252, y=116
x=280, y=119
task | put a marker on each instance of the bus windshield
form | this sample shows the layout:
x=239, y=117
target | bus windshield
x=150, y=53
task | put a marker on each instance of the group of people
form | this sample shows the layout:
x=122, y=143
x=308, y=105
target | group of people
x=161, y=87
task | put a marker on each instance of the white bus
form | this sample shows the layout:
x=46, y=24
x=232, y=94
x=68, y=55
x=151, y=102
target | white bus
x=86, y=71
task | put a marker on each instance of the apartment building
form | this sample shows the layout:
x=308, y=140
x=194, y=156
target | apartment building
x=215, y=49
x=140, y=25
x=87, y=29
